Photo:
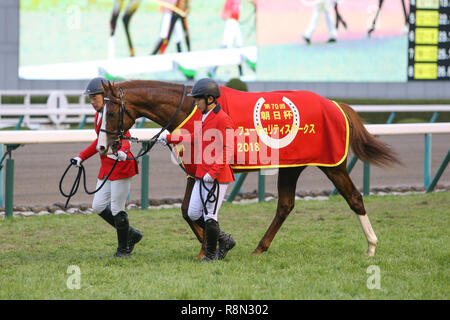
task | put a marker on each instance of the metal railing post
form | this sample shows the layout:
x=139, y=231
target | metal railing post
x=439, y=172
x=9, y=188
x=83, y=122
x=391, y=118
x=9, y=179
x=427, y=154
x=141, y=123
x=427, y=160
x=19, y=123
x=237, y=186
x=366, y=179
x=261, y=187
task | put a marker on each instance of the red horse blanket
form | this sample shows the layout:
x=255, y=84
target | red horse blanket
x=281, y=129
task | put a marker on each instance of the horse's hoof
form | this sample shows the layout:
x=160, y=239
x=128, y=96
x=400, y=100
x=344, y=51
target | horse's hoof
x=200, y=255
x=371, y=250
x=257, y=252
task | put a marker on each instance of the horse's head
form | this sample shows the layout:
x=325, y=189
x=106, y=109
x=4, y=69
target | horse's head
x=116, y=121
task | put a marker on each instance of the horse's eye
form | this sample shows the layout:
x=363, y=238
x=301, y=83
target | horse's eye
x=110, y=114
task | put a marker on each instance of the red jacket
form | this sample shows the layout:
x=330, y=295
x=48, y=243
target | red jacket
x=123, y=169
x=231, y=10
x=212, y=158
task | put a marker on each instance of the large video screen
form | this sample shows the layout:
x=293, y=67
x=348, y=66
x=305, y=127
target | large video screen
x=254, y=40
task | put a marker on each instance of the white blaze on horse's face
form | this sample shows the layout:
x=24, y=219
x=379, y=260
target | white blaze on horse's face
x=102, y=145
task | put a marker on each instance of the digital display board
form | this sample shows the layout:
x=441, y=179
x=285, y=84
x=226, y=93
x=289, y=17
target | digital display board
x=429, y=40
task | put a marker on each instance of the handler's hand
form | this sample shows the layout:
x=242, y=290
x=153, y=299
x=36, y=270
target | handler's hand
x=162, y=139
x=121, y=156
x=76, y=161
x=208, y=178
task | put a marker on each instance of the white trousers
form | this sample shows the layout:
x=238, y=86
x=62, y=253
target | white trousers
x=196, y=210
x=165, y=26
x=113, y=193
x=327, y=8
x=232, y=37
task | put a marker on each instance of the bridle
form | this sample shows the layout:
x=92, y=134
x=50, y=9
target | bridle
x=121, y=132
x=122, y=110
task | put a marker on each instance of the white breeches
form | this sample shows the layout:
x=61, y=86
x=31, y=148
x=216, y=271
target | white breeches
x=232, y=34
x=196, y=210
x=177, y=32
x=114, y=193
x=327, y=8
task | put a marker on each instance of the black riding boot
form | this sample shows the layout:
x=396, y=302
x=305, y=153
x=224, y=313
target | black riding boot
x=123, y=227
x=226, y=243
x=134, y=235
x=212, y=235
x=108, y=217
x=200, y=222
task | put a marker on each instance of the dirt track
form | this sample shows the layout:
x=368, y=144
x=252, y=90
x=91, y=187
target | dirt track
x=38, y=169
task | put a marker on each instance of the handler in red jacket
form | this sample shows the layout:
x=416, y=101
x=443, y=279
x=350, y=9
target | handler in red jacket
x=109, y=201
x=216, y=140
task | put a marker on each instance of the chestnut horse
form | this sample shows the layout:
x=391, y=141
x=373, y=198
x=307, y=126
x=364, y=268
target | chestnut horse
x=166, y=102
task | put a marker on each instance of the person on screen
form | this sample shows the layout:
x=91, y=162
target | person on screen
x=172, y=24
x=339, y=19
x=131, y=8
x=380, y=4
x=326, y=7
x=232, y=36
x=109, y=201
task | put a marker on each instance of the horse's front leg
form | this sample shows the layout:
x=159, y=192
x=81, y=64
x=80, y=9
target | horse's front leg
x=198, y=231
x=287, y=181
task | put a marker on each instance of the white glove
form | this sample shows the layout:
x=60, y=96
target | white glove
x=208, y=178
x=76, y=161
x=121, y=156
x=162, y=139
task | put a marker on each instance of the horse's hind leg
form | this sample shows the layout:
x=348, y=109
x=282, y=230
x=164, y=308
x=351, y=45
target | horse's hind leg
x=287, y=181
x=115, y=14
x=131, y=9
x=340, y=178
x=198, y=231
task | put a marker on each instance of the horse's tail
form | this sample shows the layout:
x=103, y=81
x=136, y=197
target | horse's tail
x=367, y=147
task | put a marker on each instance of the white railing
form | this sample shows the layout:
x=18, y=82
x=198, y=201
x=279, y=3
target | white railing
x=89, y=135
x=56, y=110
x=402, y=108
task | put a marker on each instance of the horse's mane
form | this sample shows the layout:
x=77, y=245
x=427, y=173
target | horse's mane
x=134, y=84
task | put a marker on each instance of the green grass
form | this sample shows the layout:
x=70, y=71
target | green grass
x=319, y=253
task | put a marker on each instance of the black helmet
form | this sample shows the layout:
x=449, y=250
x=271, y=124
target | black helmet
x=95, y=86
x=204, y=88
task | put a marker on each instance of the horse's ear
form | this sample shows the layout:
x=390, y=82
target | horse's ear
x=105, y=88
x=113, y=89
